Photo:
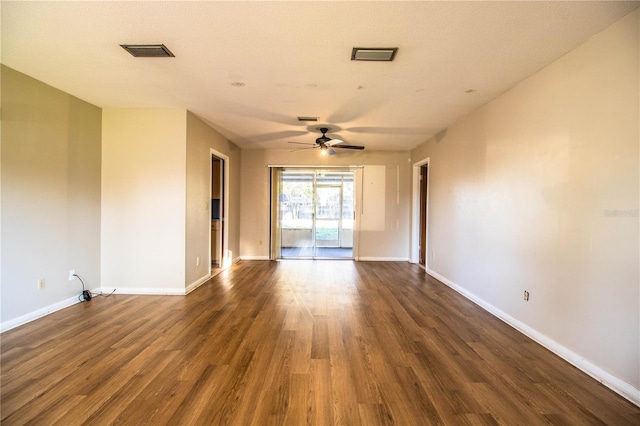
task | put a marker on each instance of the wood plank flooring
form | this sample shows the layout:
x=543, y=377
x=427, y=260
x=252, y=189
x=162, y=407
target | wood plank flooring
x=293, y=342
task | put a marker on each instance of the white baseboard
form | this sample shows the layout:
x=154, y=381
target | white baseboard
x=39, y=313
x=382, y=259
x=617, y=385
x=197, y=283
x=148, y=291
x=254, y=258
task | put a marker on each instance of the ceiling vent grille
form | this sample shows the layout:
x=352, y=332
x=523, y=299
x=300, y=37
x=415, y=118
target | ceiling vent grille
x=148, y=50
x=306, y=118
x=373, y=53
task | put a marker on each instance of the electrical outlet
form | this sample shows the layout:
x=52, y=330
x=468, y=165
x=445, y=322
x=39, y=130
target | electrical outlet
x=197, y=260
x=260, y=242
x=40, y=283
x=72, y=273
x=526, y=295
x=433, y=254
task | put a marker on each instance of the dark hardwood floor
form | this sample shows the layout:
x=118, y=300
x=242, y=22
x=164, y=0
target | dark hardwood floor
x=293, y=342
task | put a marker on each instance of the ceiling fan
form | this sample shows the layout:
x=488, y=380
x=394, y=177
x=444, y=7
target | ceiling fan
x=326, y=144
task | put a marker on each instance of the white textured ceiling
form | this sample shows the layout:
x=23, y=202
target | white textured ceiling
x=250, y=68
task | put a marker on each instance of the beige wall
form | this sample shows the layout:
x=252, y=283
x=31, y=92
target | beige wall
x=143, y=200
x=200, y=140
x=50, y=196
x=538, y=191
x=387, y=240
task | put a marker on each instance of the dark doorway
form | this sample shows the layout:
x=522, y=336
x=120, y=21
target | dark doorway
x=423, y=215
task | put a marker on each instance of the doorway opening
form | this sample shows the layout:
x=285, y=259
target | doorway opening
x=316, y=214
x=420, y=222
x=423, y=215
x=219, y=202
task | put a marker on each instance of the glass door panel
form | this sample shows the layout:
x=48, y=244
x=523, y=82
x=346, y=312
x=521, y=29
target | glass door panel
x=296, y=213
x=328, y=216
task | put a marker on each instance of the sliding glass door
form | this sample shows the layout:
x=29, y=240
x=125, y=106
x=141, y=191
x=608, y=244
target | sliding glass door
x=316, y=214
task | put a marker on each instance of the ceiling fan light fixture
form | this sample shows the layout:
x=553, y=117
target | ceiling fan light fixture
x=326, y=144
x=148, y=50
x=373, y=53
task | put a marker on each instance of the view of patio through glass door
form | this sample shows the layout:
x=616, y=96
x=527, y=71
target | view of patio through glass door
x=316, y=214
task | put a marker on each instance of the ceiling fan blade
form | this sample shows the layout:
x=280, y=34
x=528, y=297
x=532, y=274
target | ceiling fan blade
x=348, y=146
x=285, y=134
x=302, y=149
x=333, y=142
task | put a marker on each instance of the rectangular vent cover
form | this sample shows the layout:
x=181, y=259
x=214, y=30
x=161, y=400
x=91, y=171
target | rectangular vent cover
x=148, y=50
x=373, y=53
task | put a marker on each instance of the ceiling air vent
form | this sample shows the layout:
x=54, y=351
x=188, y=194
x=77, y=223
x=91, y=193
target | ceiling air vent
x=148, y=50
x=303, y=118
x=373, y=53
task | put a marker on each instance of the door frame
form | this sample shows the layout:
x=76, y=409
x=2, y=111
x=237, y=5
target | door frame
x=225, y=256
x=415, y=214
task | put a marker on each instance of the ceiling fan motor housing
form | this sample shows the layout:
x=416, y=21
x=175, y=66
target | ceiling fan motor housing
x=323, y=139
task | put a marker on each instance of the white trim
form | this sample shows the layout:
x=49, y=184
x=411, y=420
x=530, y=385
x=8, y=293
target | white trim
x=32, y=316
x=197, y=283
x=158, y=291
x=254, y=258
x=415, y=214
x=382, y=259
x=617, y=385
